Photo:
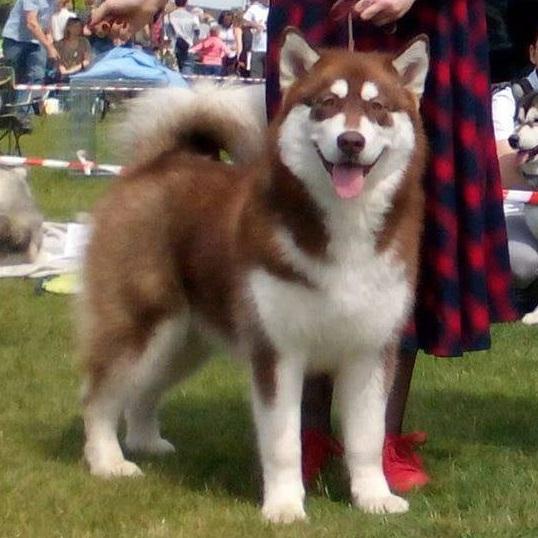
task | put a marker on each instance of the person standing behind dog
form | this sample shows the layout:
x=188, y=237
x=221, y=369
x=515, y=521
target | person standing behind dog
x=465, y=277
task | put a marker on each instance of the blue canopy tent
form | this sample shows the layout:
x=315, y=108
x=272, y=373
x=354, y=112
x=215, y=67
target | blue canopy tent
x=123, y=63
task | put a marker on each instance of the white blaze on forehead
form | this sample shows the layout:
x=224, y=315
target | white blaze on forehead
x=340, y=88
x=369, y=91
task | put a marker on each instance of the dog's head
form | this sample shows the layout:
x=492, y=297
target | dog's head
x=20, y=220
x=349, y=121
x=525, y=136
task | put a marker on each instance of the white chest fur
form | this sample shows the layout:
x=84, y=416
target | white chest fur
x=357, y=303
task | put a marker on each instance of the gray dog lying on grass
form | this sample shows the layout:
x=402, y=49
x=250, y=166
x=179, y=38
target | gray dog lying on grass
x=20, y=219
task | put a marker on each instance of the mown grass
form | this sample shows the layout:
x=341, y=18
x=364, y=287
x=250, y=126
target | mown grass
x=480, y=412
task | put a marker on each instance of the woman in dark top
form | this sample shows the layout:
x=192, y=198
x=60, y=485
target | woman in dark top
x=465, y=275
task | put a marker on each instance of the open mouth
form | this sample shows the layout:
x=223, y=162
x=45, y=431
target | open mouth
x=526, y=155
x=348, y=177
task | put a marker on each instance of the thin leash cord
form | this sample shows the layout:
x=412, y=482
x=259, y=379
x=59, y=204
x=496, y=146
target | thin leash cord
x=350, y=39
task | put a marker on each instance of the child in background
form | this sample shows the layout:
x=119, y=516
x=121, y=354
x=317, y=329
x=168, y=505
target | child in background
x=211, y=50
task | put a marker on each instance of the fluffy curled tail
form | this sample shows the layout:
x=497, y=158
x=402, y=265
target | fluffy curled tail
x=204, y=119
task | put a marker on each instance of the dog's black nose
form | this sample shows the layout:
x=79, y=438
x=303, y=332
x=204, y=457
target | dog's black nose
x=513, y=140
x=350, y=142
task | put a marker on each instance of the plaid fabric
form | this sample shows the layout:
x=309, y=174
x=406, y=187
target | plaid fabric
x=465, y=280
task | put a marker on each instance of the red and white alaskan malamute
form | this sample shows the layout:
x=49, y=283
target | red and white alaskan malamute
x=302, y=256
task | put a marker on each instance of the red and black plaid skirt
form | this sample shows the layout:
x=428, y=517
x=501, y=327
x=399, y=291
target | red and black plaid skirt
x=465, y=279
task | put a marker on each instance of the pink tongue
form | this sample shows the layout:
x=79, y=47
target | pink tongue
x=348, y=181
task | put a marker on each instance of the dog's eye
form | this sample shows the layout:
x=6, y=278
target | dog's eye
x=329, y=101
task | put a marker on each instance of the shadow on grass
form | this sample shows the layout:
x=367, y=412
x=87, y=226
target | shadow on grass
x=488, y=419
x=216, y=450
x=214, y=440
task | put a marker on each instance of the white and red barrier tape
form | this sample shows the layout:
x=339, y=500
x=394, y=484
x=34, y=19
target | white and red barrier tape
x=86, y=166
x=68, y=87
x=525, y=197
x=82, y=164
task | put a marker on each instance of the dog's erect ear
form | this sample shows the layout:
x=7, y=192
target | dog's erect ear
x=296, y=58
x=412, y=64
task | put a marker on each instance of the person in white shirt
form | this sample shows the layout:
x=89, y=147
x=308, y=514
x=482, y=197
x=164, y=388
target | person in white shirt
x=256, y=17
x=59, y=19
x=230, y=33
x=522, y=245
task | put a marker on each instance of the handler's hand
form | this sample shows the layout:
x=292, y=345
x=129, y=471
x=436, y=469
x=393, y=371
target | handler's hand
x=381, y=12
x=126, y=16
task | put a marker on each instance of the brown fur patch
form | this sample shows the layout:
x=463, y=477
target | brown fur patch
x=264, y=361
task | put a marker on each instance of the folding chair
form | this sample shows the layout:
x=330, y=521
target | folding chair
x=14, y=115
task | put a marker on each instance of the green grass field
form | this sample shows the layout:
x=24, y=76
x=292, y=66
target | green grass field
x=481, y=413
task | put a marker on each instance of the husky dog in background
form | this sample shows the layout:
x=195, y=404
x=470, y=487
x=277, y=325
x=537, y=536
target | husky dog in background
x=20, y=219
x=302, y=256
x=525, y=141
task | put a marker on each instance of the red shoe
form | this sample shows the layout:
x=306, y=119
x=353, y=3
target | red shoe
x=318, y=447
x=403, y=468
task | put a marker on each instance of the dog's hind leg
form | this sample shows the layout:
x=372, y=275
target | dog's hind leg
x=173, y=354
x=104, y=401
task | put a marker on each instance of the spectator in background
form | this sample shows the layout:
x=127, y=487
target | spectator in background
x=74, y=50
x=211, y=51
x=27, y=43
x=186, y=27
x=64, y=11
x=142, y=39
x=245, y=56
x=205, y=21
x=27, y=40
x=256, y=17
x=522, y=244
x=99, y=39
x=230, y=33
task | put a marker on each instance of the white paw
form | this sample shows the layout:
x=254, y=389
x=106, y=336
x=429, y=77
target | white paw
x=116, y=469
x=150, y=446
x=389, y=504
x=531, y=318
x=283, y=511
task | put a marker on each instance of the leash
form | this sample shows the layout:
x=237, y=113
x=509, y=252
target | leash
x=350, y=37
x=344, y=9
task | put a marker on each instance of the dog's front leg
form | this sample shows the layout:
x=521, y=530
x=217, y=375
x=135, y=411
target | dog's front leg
x=361, y=396
x=277, y=395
